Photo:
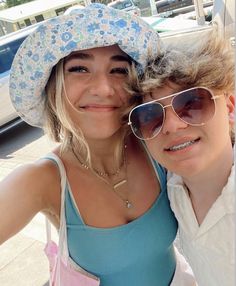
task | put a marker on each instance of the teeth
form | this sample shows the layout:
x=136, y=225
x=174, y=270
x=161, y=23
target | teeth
x=181, y=146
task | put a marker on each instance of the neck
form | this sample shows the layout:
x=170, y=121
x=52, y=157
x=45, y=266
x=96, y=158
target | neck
x=106, y=154
x=205, y=188
x=214, y=179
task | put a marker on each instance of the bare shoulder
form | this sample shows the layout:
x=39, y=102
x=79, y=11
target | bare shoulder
x=34, y=180
x=26, y=191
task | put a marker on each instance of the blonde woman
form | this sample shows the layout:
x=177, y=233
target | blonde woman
x=99, y=187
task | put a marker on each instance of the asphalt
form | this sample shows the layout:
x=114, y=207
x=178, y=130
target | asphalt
x=22, y=258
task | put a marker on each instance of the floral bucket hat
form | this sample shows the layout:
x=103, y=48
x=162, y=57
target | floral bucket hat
x=93, y=26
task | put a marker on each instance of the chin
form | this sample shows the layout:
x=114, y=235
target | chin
x=102, y=133
x=187, y=168
x=186, y=171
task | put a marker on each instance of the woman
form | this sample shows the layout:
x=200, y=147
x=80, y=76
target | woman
x=187, y=124
x=69, y=76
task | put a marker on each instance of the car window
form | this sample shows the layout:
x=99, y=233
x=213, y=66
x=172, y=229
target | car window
x=121, y=5
x=7, y=53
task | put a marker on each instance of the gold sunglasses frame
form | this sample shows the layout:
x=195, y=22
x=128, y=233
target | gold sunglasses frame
x=213, y=97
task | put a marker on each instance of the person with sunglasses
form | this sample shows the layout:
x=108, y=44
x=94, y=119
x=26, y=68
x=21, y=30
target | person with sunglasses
x=187, y=124
x=115, y=228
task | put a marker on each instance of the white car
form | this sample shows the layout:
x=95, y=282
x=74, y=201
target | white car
x=126, y=5
x=9, y=45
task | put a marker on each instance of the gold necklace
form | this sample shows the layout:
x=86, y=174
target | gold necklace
x=106, y=174
x=114, y=187
x=103, y=177
x=100, y=173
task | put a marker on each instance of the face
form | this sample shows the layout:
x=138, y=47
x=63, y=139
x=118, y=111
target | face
x=191, y=150
x=94, y=84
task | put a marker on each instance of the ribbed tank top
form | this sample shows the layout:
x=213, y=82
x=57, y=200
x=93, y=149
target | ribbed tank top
x=139, y=253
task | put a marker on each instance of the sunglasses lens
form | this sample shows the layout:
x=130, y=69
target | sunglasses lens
x=147, y=120
x=194, y=106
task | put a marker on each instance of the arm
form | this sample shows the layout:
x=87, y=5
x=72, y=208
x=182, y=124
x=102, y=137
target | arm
x=23, y=194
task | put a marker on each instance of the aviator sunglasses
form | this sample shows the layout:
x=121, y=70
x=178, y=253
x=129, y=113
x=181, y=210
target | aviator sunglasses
x=194, y=106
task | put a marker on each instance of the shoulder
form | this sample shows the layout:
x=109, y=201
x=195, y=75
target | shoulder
x=34, y=180
x=37, y=173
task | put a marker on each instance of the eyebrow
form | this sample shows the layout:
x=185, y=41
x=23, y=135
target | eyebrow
x=85, y=56
x=121, y=58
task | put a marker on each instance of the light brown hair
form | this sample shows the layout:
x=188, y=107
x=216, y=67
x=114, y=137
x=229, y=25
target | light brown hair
x=207, y=62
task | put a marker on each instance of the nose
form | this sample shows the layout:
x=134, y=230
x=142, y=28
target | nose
x=101, y=85
x=172, y=122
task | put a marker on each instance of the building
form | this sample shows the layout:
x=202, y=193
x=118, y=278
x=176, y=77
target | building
x=20, y=16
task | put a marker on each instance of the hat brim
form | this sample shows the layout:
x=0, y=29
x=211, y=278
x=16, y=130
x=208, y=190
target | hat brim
x=94, y=26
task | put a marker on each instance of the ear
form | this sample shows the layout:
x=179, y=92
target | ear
x=230, y=102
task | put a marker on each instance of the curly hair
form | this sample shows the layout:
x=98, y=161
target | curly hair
x=207, y=62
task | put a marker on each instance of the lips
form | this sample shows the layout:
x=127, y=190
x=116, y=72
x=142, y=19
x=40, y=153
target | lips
x=182, y=145
x=99, y=107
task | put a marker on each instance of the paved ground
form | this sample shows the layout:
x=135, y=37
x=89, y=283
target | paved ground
x=22, y=260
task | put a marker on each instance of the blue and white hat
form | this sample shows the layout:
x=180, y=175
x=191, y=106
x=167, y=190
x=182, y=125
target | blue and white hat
x=94, y=26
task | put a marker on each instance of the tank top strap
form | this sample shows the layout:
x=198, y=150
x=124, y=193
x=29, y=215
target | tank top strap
x=63, y=248
x=160, y=171
x=55, y=159
x=69, y=209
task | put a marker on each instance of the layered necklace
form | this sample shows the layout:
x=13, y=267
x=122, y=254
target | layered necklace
x=105, y=177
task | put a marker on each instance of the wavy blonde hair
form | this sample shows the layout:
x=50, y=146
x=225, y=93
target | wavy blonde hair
x=59, y=125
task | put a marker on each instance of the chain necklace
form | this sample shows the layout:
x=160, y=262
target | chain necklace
x=104, y=175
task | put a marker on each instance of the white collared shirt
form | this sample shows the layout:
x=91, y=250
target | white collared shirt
x=209, y=248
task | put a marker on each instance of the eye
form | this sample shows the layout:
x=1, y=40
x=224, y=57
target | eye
x=78, y=69
x=120, y=70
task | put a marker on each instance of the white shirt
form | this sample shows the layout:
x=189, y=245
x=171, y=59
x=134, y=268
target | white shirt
x=209, y=248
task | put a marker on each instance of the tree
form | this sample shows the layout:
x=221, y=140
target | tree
x=12, y=3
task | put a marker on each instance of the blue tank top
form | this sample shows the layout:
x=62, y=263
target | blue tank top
x=139, y=253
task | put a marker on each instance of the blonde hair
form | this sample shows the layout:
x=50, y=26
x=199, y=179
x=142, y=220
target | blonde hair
x=59, y=125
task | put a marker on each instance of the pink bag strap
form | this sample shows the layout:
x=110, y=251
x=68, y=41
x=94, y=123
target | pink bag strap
x=59, y=261
x=48, y=230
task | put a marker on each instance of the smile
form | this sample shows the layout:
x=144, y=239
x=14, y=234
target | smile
x=99, y=108
x=182, y=145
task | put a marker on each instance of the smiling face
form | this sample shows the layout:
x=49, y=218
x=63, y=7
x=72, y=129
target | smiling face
x=190, y=150
x=94, y=84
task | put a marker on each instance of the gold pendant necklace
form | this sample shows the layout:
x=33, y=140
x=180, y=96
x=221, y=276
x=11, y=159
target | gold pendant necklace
x=104, y=175
x=114, y=187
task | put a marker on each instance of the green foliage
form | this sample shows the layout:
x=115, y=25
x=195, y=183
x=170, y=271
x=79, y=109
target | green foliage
x=11, y=3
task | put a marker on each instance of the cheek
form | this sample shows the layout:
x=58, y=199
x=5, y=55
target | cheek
x=124, y=97
x=71, y=100
x=72, y=91
x=223, y=119
x=218, y=129
x=119, y=85
x=122, y=94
